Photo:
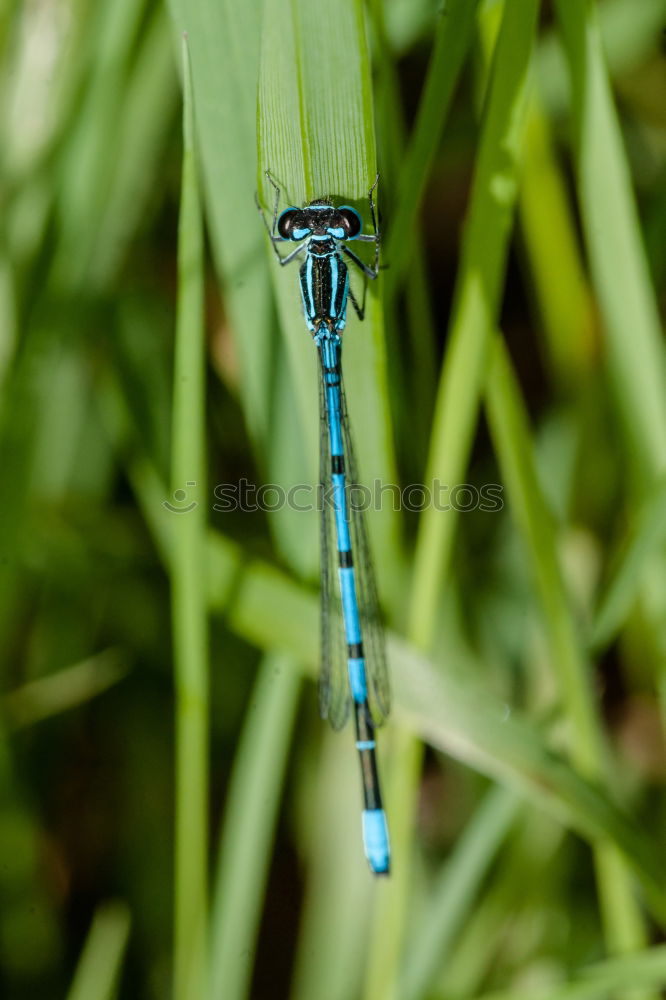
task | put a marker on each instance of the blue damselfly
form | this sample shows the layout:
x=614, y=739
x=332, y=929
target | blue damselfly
x=353, y=660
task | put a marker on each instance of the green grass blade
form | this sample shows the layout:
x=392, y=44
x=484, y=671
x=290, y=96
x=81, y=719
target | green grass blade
x=527, y=872
x=614, y=245
x=224, y=42
x=635, y=352
x=452, y=41
x=645, y=969
x=624, y=924
x=417, y=378
x=98, y=971
x=456, y=887
x=628, y=32
x=63, y=689
x=316, y=135
x=189, y=609
x=312, y=136
x=453, y=714
x=624, y=585
x=389, y=931
x=523, y=603
x=316, y=132
x=464, y=722
x=86, y=169
x=478, y=288
x=151, y=101
x=487, y=233
x=548, y=228
x=587, y=742
x=509, y=428
x=336, y=914
x=250, y=817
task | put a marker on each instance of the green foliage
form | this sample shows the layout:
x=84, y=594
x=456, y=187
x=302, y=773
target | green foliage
x=158, y=658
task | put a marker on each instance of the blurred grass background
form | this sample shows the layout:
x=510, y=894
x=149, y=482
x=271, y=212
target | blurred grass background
x=175, y=820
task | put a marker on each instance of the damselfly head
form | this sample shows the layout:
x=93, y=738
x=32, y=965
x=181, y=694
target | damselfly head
x=319, y=218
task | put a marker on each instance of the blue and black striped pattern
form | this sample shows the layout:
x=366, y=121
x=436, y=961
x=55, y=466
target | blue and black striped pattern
x=366, y=676
x=353, y=673
x=324, y=285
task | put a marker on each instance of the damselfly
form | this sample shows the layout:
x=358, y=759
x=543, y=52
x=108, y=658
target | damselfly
x=353, y=667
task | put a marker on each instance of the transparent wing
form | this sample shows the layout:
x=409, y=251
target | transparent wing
x=379, y=689
x=334, y=693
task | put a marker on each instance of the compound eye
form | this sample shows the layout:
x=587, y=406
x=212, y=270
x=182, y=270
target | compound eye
x=351, y=220
x=285, y=224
